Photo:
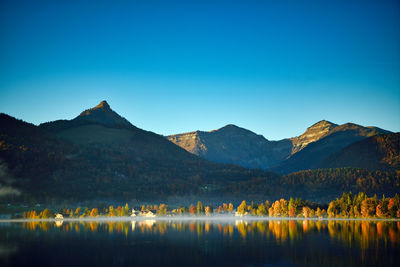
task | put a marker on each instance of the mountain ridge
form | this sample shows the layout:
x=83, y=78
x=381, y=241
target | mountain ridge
x=77, y=160
x=283, y=155
x=217, y=145
x=86, y=159
x=313, y=133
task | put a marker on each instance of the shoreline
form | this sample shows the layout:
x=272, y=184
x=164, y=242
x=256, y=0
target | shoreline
x=193, y=218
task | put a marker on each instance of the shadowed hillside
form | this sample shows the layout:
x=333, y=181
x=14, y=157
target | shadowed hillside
x=105, y=158
x=235, y=145
x=232, y=144
x=314, y=154
x=101, y=159
x=380, y=152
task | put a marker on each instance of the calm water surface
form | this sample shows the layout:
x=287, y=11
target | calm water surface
x=200, y=243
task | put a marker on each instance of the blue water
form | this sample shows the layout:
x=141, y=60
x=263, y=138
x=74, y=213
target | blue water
x=200, y=243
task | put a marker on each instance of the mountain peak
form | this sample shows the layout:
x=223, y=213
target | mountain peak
x=312, y=134
x=229, y=126
x=322, y=123
x=102, y=105
x=102, y=113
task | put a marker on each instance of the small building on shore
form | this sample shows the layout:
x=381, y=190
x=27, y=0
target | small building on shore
x=134, y=213
x=241, y=214
x=147, y=213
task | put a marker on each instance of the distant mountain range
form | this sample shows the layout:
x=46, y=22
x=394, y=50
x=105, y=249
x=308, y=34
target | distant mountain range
x=99, y=155
x=311, y=150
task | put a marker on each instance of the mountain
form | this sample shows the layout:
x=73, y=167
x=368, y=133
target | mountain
x=100, y=155
x=102, y=113
x=235, y=145
x=312, y=134
x=379, y=152
x=313, y=155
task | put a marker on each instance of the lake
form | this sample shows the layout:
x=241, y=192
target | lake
x=190, y=242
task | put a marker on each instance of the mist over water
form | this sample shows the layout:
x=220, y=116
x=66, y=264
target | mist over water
x=203, y=241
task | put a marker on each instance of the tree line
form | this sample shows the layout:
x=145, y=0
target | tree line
x=348, y=206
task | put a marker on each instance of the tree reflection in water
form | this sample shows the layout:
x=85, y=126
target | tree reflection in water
x=352, y=232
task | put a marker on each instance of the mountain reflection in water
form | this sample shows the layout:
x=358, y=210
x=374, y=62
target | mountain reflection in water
x=199, y=243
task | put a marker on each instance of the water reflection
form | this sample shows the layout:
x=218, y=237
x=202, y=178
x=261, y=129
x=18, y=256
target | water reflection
x=187, y=242
x=7, y=249
x=361, y=233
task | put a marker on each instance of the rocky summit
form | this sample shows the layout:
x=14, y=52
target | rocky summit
x=235, y=145
x=312, y=134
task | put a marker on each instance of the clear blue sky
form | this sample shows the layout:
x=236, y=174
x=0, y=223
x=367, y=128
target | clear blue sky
x=274, y=67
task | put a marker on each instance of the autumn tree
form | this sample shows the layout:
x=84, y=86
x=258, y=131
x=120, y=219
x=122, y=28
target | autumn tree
x=242, y=208
x=126, y=209
x=192, y=210
x=271, y=212
x=86, y=212
x=230, y=207
x=200, y=207
x=368, y=207
x=356, y=212
x=261, y=210
x=162, y=209
x=306, y=212
x=183, y=210
x=118, y=211
x=318, y=213
x=292, y=208
x=78, y=212
x=225, y=207
x=394, y=206
x=280, y=207
x=267, y=204
x=333, y=208
x=94, y=212
x=111, y=211
x=46, y=214
x=208, y=210
x=30, y=215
